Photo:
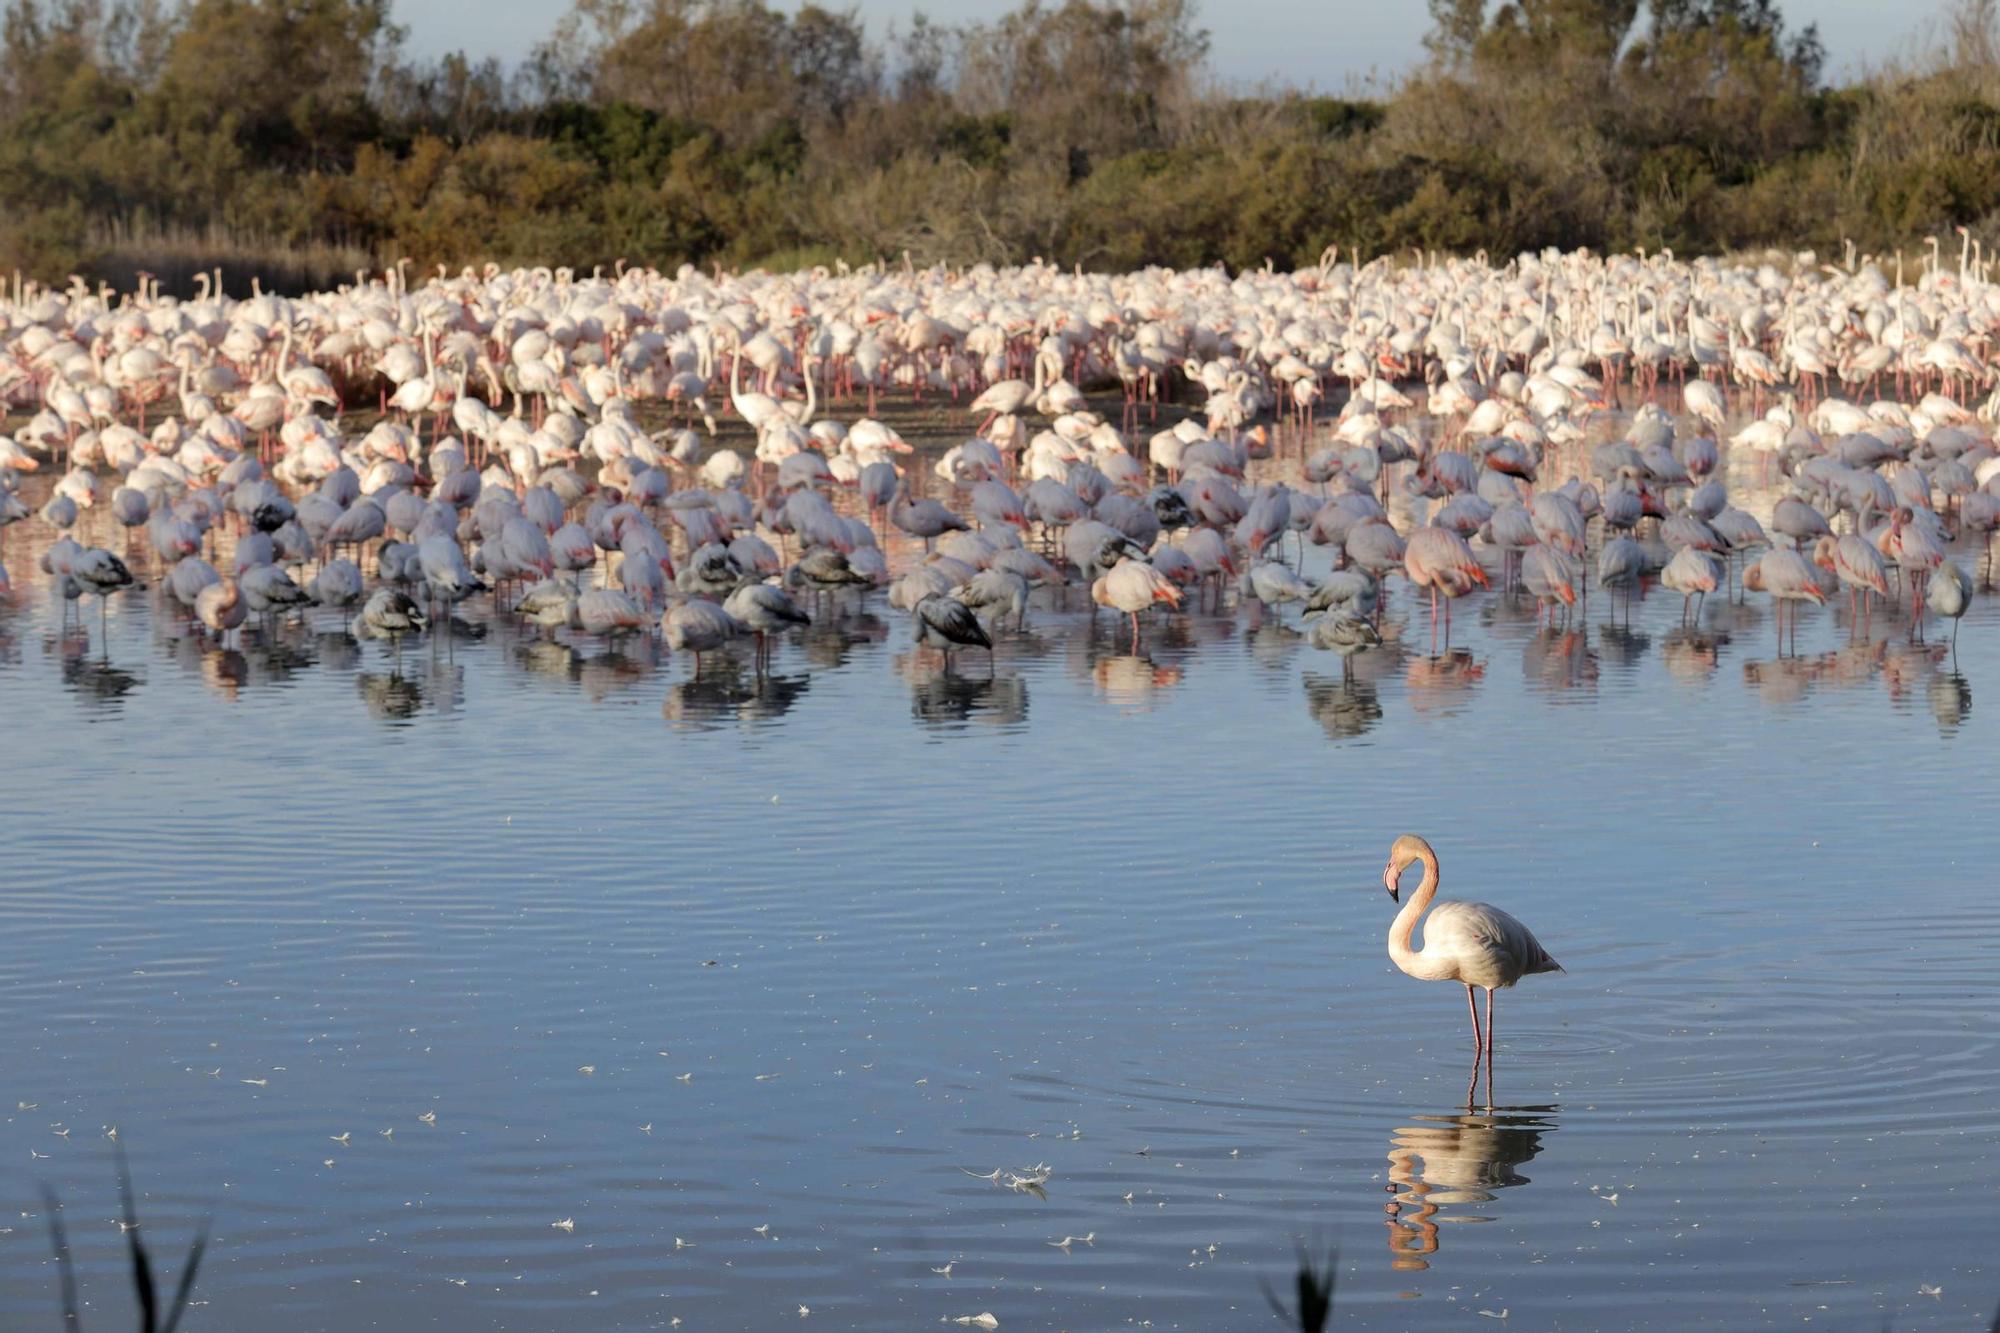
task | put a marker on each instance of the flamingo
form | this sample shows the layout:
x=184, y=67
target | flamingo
x=1001, y=590
x=1345, y=633
x=1131, y=586
x=220, y=607
x=1006, y=398
x=1273, y=584
x=764, y=610
x=1693, y=573
x=100, y=572
x=945, y=623
x=1949, y=596
x=924, y=518
x=390, y=614
x=1439, y=559
x=696, y=626
x=1474, y=944
x=337, y=584
x=1550, y=578
x=1857, y=564
x=1785, y=574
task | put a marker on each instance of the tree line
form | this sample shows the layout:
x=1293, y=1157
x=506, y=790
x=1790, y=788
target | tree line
x=297, y=139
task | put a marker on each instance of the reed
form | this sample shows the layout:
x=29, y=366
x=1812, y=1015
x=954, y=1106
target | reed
x=1312, y=1290
x=176, y=255
x=145, y=1289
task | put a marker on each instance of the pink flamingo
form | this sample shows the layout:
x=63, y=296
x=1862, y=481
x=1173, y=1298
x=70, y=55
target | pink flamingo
x=1785, y=574
x=1439, y=559
x=1474, y=944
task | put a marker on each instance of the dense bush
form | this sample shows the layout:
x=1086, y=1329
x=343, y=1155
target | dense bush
x=291, y=136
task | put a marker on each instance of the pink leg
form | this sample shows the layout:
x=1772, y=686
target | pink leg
x=1489, y=1025
x=1472, y=1007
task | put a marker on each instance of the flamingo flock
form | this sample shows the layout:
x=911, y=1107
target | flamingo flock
x=703, y=457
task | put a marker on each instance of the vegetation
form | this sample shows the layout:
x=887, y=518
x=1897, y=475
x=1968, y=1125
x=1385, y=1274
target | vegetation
x=145, y=1289
x=294, y=138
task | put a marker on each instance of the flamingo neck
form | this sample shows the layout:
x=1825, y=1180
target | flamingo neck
x=1414, y=961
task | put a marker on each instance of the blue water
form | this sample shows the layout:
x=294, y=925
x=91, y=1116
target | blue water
x=849, y=939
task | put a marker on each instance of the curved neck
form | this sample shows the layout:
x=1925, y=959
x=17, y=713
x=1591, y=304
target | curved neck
x=1411, y=960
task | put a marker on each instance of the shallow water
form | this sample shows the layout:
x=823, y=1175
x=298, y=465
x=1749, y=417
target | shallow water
x=675, y=959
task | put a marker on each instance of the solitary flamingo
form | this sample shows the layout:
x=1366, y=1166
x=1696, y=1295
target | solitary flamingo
x=1474, y=944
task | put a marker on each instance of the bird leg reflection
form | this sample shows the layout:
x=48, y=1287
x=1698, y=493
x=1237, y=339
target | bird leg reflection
x=1412, y=1234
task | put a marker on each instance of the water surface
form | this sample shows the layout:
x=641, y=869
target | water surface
x=674, y=960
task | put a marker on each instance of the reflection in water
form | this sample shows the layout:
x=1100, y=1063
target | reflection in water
x=546, y=657
x=726, y=692
x=1442, y=685
x=1558, y=661
x=1132, y=681
x=224, y=670
x=1692, y=655
x=1448, y=1161
x=1622, y=646
x=98, y=684
x=1345, y=708
x=614, y=672
x=941, y=698
x=338, y=650
x=831, y=641
x=390, y=696
x=277, y=655
x=1951, y=699
x=1272, y=644
x=1903, y=669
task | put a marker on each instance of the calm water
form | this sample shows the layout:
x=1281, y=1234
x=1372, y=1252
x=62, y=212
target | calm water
x=677, y=960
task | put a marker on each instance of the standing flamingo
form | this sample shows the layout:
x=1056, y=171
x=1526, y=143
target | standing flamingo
x=1131, y=586
x=1474, y=944
x=1949, y=596
x=1784, y=574
x=1439, y=559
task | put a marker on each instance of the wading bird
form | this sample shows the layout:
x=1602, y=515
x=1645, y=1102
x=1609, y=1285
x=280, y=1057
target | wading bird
x=1474, y=944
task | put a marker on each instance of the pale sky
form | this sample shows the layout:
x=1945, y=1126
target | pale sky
x=1324, y=44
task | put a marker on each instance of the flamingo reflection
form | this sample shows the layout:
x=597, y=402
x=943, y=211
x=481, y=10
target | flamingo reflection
x=1345, y=707
x=1441, y=1165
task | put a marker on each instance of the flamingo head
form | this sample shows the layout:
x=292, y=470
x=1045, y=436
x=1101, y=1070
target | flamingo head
x=1406, y=849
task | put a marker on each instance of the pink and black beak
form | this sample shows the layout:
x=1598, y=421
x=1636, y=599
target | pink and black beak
x=1390, y=875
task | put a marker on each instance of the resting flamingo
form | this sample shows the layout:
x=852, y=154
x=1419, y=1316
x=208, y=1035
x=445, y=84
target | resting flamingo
x=1857, y=564
x=1950, y=595
x=1784, y=574
x=1439, y=559
x=1474, y=944
x=1131, y=586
